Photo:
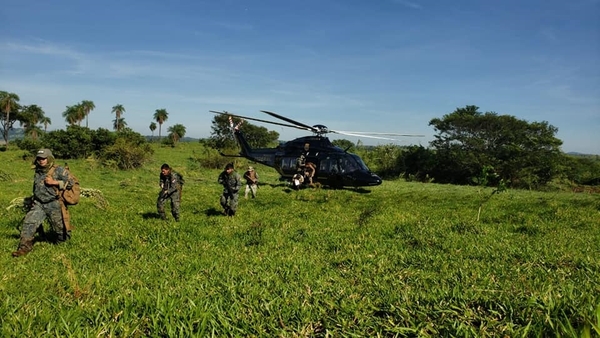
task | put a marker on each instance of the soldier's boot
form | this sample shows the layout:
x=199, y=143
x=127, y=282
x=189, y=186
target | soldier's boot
x=176, y=217
x=63, y=237
x=25, y=246
x=162, y=216
x=41, y=233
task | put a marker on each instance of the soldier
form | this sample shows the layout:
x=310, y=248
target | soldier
x=301, y=161
x=171, y=185
x=297, y=181
x=231, y=182
x=46, y=202
x=309, y=172
x=251, y=177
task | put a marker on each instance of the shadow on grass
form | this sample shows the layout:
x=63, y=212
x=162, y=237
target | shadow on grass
x=358, y=190
x=150, y=215
x=213, y=212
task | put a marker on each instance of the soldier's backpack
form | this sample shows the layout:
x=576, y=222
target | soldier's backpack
x=69, y=196
x=181, y=182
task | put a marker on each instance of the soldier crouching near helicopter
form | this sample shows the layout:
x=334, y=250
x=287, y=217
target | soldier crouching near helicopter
x=171, y=185
x=232, y=183
x=309, y=173
x=46, y=203
x=297, y=181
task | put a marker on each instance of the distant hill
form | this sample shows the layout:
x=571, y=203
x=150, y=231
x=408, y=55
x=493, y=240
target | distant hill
x=574, y=153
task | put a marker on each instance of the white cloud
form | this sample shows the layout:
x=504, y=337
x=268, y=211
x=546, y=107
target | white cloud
x=408, y=4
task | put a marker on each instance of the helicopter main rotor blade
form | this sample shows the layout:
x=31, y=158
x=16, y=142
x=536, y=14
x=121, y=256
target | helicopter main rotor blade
x=362, y=135
x=372, y=133
x=290, y=120
x=259, y=120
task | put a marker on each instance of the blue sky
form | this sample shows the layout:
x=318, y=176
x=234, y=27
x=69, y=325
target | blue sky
x=379, y=65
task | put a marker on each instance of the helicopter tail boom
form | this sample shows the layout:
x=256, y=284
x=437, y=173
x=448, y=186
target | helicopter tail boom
x=264, y=156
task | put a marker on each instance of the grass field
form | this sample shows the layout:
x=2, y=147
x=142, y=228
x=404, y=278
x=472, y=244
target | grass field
x=401, y=259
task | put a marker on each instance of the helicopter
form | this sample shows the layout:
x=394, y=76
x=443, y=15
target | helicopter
x=332, y=166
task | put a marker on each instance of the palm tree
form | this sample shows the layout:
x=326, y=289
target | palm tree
x=88, y=106
x=119, y=124
x=152, y=129
x=118, y=110
x=8, y=103
x=79, y=113
x=71, y=114
x=176, y=132
x=161, y=116
x=29, y=118
x=45, y=121
x=33, y=131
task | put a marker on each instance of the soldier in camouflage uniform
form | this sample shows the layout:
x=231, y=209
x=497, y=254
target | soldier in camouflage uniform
x=232, y=183
x=171, y=185
x=46, y=203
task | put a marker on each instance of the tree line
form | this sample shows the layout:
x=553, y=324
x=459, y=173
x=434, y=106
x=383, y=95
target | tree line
x=469, y=147
x=489, y=149
x=34, y=121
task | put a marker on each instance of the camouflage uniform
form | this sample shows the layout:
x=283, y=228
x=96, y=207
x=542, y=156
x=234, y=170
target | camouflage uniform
x=171, y=187
x=45, y=204
x=232, y=183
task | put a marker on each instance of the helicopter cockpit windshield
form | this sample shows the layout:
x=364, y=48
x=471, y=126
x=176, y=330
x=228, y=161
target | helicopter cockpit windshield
x=359, y=162
x=342, y=164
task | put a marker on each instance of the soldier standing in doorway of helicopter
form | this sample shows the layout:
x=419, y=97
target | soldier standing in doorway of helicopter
x=171, y=185
x=301, y=161
x=304, y=168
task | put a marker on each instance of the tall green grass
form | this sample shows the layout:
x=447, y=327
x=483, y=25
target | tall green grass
x=401, y=259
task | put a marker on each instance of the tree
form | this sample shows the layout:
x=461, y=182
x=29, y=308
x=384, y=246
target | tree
x=45, y=121
x=222, y=135
x=29, y=117
x=118, y=110
x=344, y=144
x=160, y=116
x=417, y=163
x=72, y=114
x=9, y=103
x=152, y=128
x=521, y=153
x=87, y=106
x=176, y=132
x=119, y=124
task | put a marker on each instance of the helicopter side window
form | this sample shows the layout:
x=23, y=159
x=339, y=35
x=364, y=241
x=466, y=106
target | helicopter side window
x=288, y=163
x=335, y=166
x=324, y=165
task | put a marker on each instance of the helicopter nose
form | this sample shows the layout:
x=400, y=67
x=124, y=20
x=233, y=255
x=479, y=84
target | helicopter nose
x=375, y=180
x=368, y=179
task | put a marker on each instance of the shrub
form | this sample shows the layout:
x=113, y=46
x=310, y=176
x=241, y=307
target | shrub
x=28, y=144
x=126, y=154
x=75, y=142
